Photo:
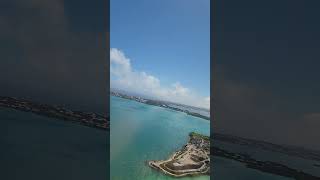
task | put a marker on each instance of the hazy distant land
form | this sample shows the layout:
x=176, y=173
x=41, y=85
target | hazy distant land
x=193, y=111
x=250, y=162
x=102, y=122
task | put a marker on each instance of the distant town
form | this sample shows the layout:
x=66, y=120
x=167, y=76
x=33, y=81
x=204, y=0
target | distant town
x=169, y=105
x=85, y=118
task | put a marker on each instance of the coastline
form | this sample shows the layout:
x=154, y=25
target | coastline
x=39, y=147
x=102, y=123
x=159, y=104
x=89, y=119
x=264, y=166
x=192, y=160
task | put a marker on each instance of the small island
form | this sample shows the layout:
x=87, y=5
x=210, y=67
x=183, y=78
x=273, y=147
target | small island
x=193, y=159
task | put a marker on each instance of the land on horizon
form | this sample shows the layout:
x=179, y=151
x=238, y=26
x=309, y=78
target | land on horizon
x=129, y=93
x=190, y=110
x=101, y=122
x=85, y=118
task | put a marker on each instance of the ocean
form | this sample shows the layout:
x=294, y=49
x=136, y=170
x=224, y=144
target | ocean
x=141, y=132
x=37, y=147
x=301, y=164
x=227, y=169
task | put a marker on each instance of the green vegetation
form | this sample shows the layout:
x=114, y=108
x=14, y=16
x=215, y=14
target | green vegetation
x=200, y=135
x=193, y=159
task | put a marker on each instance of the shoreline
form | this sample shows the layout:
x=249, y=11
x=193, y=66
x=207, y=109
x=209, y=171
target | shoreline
x=192, y=159
x=101, y=122
x=84, y=118
x=264, y=166
x=158, y=103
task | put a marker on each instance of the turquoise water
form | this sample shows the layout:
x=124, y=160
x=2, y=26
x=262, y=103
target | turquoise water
x=37, y=147
x=141, y=132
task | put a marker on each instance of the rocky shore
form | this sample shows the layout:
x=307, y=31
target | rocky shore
x=193, y=159
x=84, y=118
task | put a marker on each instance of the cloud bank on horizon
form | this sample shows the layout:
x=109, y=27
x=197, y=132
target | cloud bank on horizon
x=124, y=76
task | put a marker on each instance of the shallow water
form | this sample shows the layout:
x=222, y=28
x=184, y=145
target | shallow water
x=141, y=132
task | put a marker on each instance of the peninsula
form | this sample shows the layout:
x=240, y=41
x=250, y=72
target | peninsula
x=193, y=159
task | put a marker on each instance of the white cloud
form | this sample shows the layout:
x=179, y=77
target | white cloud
x=124, y=76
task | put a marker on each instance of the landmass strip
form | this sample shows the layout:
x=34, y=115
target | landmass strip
x=160, y=104
x=193, y=159
x=265, y=166
x=84, y=118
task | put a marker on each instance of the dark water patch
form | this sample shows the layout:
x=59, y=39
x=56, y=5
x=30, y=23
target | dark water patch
x=35, y=147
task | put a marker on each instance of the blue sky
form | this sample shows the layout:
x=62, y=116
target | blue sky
x=168, y=39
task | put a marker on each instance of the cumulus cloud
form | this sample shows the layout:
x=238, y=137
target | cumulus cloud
x=124, y=76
